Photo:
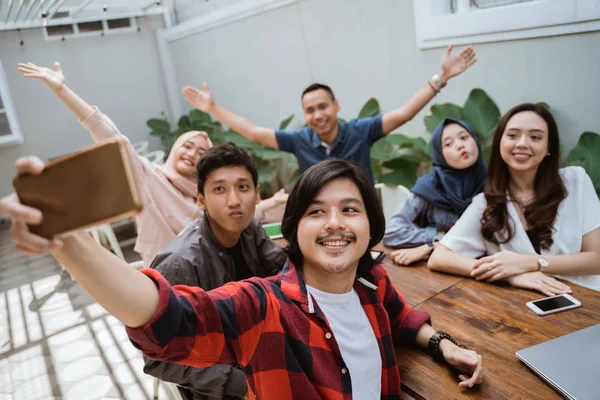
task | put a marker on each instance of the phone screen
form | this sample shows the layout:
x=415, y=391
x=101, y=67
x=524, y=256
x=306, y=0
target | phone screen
x=553, y=303
x=273, y=230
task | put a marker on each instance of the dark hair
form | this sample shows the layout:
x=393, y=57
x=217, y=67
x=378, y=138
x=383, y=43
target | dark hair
x=224, y=155
x=549, y=188
x=318, y=86
x=308, y=187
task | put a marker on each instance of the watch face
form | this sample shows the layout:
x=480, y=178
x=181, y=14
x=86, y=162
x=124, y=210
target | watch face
x=543, y=262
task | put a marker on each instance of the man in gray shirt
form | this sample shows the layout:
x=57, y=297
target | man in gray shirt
x=225, y=245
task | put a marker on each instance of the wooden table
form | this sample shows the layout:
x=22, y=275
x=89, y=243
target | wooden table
x=489, y=318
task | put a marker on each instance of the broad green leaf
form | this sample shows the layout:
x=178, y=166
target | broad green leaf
x=237, y=139
x=439, y=112
x=266, y=174
x=431, y=122
x=485, y=154
x=168, y=142
x=284, y=124
x=543, y=104
x=201, y=116
x=447, y=110
x=403, y=141
x=208, y=127
x=293, y=179
x=268, y=154
x=160, y=126
x=370, y=109
x=587, y=155
x=381, y=151
x=184, y=124
x=481, y=113
x=403, y=163
x=405, y=177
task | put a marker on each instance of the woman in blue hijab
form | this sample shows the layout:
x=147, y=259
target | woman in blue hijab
x=439, y=198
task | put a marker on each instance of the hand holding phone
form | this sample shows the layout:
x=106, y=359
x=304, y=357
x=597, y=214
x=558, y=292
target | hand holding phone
x=86, y=188
x=554, y=304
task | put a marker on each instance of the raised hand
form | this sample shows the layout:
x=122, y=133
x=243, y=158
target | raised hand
x=280, y=197
x=25, y=241
x=53, y=78
x=200, y=99
x=456, y=64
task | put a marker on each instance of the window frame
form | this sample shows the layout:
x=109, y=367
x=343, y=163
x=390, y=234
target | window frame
x=437, y=26
x=15, y=136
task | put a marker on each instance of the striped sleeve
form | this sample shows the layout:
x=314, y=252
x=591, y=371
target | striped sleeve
x=405, y=322
x=199, y=328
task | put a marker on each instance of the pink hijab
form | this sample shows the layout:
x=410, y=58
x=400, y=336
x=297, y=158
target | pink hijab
x=186, y=185
x=169, y=202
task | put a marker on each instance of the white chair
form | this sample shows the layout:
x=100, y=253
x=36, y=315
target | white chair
x=141, y=146
x=107, y=231
x=392, y=198
x=170, y=388
x=157, y=157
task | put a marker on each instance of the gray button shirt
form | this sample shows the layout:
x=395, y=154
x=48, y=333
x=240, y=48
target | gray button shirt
x=417, y=222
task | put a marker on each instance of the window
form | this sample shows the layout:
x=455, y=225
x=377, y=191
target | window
x=441, y=22
x=9, y=126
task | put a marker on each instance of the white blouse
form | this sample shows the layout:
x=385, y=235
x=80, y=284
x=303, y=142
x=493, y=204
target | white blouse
x=578, y=214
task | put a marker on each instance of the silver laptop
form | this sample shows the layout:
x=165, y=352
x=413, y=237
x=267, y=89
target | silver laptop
x=570, y=363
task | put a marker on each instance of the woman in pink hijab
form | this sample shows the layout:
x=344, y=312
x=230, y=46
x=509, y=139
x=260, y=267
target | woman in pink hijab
x=168, y=191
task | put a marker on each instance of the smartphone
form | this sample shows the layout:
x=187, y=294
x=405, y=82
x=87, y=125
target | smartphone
x=273, y=230
x=377, y=256
x=77, y=191
x=553, y=304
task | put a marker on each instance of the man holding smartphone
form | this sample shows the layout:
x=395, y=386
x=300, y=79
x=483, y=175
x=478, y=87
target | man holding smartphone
x=226, y=244
x=285, y=331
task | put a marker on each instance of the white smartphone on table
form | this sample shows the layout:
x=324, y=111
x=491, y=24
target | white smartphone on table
x=554, y=304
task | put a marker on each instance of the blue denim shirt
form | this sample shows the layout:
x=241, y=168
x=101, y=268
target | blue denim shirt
x=353, y=142
x=417, y=222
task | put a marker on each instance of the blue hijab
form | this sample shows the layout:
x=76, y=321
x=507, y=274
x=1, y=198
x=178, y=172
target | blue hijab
x=448, y=188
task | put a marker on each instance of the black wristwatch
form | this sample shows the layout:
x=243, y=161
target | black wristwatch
x=434, y=344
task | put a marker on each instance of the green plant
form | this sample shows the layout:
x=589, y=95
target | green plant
x=396, y=159
x=586, y=154
x=268, y=161
x=196, y=120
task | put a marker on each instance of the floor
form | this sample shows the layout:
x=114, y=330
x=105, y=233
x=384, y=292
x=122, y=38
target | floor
x=56, y=342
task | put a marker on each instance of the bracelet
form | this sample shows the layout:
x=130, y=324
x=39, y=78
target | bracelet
x=433, y=87
x=434, y=344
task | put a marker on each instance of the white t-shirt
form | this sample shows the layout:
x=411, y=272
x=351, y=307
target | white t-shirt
x=578, y=214
x=356, y=340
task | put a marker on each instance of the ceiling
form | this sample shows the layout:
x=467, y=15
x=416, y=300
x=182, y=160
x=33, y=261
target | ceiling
x=22, y=13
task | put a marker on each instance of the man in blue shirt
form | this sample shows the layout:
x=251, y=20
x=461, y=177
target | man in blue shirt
x=324, y=136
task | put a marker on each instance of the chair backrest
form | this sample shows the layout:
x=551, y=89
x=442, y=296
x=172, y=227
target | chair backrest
x=157, y=157
x=172, y=391
x=141, y=146
x=392, y=198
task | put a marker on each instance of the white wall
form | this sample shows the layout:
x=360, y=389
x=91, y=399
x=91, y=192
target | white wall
x=258, y=66
x=120, y=74
x=189, y=9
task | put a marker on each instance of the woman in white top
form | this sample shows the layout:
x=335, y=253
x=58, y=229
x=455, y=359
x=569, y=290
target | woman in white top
x=532, y=219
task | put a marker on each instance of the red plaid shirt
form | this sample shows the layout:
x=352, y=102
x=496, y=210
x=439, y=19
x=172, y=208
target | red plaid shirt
x=276, y=333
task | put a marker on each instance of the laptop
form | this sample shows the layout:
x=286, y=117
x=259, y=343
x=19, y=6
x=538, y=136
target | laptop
x=570, y=363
